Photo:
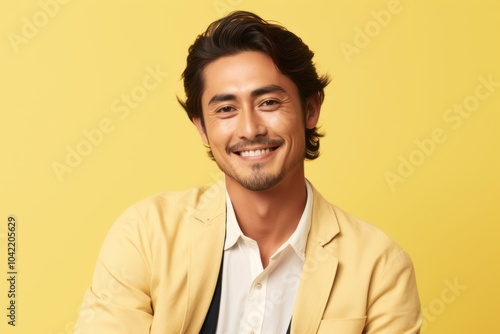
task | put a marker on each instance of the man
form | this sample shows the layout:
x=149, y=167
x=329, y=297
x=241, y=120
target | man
x=261, y=251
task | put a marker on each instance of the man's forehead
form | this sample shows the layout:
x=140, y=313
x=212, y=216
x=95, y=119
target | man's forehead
x=251, y=73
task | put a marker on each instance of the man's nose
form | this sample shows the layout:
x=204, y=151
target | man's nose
x=250, y=124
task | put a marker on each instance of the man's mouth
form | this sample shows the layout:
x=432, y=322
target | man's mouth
x=256, y=153
x=255, y=149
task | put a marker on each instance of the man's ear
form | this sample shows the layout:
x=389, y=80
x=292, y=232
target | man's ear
x=313, y=107
x=201, y=129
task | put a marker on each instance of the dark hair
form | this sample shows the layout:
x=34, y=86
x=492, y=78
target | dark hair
x=244, y=31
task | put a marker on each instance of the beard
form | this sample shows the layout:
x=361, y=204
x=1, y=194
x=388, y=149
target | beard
x=258, y=180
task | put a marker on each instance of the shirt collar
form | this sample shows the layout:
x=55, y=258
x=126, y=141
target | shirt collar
x=233, y=231
x=297, y=240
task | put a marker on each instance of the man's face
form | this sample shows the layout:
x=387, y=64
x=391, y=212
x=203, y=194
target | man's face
x=254, y=123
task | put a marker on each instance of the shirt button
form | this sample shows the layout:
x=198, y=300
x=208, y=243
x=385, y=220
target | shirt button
x=250, y=332
x=258, y=286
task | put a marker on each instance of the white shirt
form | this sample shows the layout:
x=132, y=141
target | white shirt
x=256, y=300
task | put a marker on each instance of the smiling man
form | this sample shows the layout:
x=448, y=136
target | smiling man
x=261, y=251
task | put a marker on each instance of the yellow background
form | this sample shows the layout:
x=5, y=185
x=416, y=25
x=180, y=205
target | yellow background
x=65, y=77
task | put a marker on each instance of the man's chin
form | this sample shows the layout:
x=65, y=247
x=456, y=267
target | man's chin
x=260, y=182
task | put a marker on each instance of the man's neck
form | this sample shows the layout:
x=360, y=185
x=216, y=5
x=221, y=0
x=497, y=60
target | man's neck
x=270, y=216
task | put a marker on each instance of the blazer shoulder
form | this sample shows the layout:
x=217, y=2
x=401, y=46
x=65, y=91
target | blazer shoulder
x=170, y=210
x=332, y=224
x=330, y=220
x=180, y=202
x=355, y=227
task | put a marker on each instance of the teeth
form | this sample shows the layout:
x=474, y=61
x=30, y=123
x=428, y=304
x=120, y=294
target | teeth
x=255, y=153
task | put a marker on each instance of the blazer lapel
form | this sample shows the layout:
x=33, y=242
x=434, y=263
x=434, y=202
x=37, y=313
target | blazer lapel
x=206, y=247
x=319, y=270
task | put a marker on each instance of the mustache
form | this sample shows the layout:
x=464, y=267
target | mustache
x=249, y=143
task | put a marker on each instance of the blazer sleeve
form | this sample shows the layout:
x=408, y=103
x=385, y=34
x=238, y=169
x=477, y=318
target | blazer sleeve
x=118, y=300
x=394, y=305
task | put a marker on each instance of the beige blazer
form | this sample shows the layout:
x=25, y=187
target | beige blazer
x=158, y=267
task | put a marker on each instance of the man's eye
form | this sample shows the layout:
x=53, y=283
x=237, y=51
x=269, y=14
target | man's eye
x=269, y=103
x=225, y=109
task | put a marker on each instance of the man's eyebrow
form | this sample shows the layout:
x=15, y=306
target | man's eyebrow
x=222, y=98
x=267, y=89
x=255, y=93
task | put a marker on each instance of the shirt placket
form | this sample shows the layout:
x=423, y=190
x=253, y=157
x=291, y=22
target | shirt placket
x=256, y=299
